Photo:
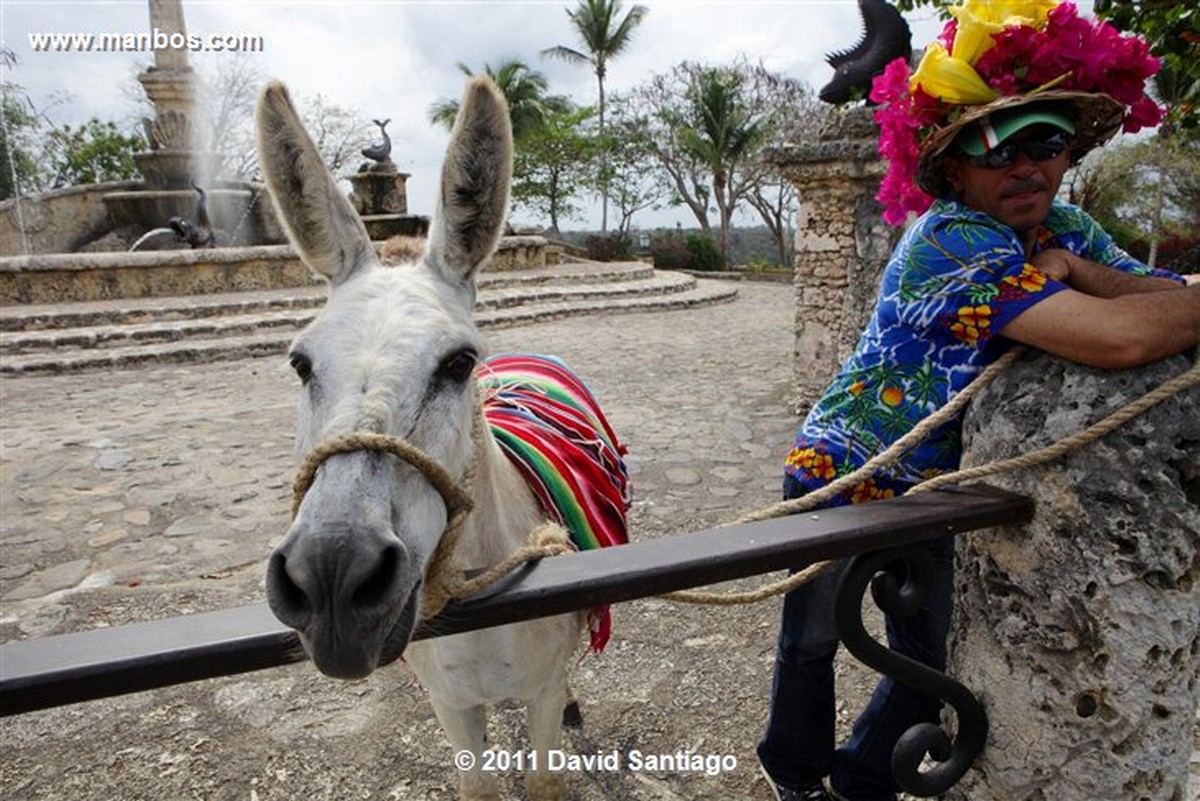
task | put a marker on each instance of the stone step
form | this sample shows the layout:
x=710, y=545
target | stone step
x=275, y=341
x=143, y=310
x=293, y=313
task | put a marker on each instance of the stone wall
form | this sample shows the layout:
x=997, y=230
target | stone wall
x=72, y=219
x=60, y=221
x=842, y=244
x=1081, y=632
x=73, y=277
x=521, y=252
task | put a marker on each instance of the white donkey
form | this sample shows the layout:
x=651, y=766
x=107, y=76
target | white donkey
x=394, y=352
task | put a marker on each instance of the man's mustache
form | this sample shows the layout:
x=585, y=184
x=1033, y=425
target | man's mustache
x=1023, y=186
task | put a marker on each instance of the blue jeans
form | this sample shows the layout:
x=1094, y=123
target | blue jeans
x=798, y=747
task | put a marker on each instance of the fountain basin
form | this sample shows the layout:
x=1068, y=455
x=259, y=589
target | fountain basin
x=236, y=213
x=82, y=277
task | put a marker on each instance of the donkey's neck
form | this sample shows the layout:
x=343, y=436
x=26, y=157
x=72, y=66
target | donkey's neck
x=505, y=509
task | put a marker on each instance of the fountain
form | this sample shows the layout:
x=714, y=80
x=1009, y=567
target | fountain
x=195, y=234
x=175, y=168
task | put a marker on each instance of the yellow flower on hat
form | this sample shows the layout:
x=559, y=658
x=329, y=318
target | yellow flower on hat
x=980, y=20
x=950, y=79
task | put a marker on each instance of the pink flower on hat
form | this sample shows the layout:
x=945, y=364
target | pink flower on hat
x=1015, y=48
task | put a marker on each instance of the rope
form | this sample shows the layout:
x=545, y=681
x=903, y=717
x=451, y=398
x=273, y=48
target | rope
x=457, y=498
x=548, y=539
x=1167, y=389
x=444, y=584
x=1179, y=383
x=894, y=452
x=818, y=497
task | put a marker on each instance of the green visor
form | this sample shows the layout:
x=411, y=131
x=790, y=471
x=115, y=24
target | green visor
x=993, y=129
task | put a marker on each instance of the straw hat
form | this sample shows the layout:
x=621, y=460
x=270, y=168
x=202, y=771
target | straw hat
x=1097, y=118
x=1002, y=55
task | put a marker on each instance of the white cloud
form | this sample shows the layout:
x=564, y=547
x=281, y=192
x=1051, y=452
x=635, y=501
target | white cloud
x=394, y=59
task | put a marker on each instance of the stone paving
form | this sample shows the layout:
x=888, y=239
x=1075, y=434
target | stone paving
x=156, y=491
x=136, y=494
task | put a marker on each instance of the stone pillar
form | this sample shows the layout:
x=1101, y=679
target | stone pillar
x=1081, y=632
x=379, y=189
x=175, y=158
x=842, y=244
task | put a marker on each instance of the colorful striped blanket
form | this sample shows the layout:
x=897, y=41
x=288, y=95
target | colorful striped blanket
x=550, y=426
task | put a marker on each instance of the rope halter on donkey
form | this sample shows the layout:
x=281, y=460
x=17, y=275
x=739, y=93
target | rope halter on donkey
x=442, y=582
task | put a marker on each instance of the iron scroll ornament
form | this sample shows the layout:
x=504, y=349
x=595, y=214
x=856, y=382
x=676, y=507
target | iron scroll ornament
x=899, y=579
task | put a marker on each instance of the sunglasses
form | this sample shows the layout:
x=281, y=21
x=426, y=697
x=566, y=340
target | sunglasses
x=1038, y=149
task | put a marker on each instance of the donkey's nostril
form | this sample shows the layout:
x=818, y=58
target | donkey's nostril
x=376, y=589
x=288, y=600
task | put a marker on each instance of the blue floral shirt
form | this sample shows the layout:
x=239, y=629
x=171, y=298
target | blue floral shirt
x=954, y=281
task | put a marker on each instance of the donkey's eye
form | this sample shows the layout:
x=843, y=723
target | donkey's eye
x=302, y=365
x=458, y=366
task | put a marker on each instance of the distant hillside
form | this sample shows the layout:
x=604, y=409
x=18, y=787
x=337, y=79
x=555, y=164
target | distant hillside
x=746, y=245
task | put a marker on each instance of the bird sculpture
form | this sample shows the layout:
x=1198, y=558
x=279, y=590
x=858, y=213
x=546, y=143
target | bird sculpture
x=886, y=37
x=380, y=151
x=181, y=231
x=199, y=235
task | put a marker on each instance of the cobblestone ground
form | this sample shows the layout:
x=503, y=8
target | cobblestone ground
x=154, y=492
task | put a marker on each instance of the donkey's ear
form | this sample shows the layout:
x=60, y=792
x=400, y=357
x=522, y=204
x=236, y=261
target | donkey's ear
x=320, y=222
x=473, y=197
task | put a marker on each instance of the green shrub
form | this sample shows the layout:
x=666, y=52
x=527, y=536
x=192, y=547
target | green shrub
x=668, y=253
x=705, y=255
x=612, y=247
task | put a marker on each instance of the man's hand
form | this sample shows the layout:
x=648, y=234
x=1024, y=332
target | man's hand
x=1055, y=263
x=1113, y=333
x=1097, y=280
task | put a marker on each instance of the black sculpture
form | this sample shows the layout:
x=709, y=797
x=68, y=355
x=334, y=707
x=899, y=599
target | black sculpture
x=180, y=230
x=886, y=37
x=380, y=151
x=200, y=234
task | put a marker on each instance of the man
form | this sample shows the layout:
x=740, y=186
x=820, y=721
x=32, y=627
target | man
x=996, y=260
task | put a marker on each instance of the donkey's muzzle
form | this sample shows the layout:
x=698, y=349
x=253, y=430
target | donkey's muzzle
x=344, y=590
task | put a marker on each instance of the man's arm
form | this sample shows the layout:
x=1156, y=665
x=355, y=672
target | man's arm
x=1120, y=332
x=1097, y=280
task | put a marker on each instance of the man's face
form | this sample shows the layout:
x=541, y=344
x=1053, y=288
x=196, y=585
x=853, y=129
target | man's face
x=1018, y=193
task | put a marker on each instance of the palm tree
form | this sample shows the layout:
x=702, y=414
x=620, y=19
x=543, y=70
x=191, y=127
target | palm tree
x=603, y=37
x=523, y=88
x=722, y=133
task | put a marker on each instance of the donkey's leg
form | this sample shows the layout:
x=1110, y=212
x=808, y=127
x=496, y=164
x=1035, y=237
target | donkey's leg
x=545, y=720
x=572, y=718
x=467, y=731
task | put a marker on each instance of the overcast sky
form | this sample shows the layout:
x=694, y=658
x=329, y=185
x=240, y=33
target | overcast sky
x=394, y=59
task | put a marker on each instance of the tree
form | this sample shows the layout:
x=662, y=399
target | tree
x=553, y=164
x=721, y=133
x=526, y=90
x=605, y=34
x=228, y=96
x=25, y=163
x=93, y=153
x=707, y=128
x=18, y=155
x=1173, y=32
x=36, y=154
x=1113, y=185
x=630, y=179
